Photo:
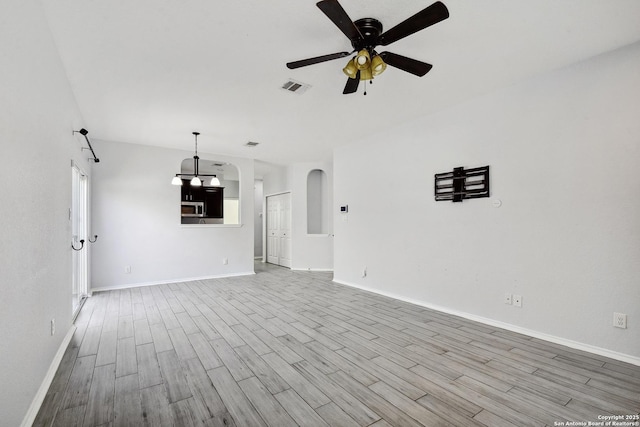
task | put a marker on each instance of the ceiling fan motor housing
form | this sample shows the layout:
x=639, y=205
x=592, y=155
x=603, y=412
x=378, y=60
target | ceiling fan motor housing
x=370, y=28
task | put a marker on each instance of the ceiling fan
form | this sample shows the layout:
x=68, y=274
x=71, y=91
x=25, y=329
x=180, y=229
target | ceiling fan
x=365, y=34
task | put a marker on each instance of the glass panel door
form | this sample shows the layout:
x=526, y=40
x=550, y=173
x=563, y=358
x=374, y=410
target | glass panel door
x=79, y=231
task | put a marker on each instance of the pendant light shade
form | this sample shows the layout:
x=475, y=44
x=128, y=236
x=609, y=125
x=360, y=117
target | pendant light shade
x=215, y=182
x=350, y=69
x=176, y=180
x=363, y=60
x=365, y=74
x=196, y=182
x=377, y=65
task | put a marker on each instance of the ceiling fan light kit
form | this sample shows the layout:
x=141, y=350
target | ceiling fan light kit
x=365, y=34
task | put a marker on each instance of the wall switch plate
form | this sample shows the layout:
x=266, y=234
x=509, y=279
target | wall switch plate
x=620, y=320
x=127, y=269
x=364, y=272
x=225, y=261
x=517, y=300
x=507, y=299
x=53, y=327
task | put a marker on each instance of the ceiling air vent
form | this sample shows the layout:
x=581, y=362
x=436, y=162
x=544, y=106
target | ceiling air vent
x=251, y=144
x=295, y=86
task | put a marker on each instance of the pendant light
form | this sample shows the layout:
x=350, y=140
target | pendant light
x=195, y=176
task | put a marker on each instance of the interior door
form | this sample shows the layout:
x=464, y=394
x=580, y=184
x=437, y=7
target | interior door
x=79, y=231
x=285, y=230
x=279, y=229
x=273, y=229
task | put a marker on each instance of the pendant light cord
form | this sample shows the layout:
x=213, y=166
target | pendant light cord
x=196, y=158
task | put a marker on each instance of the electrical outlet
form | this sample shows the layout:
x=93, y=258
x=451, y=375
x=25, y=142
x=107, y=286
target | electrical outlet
x=53, y=327
x=507, y=299
x=620, y=320
x=517, y=300
x=127, y=269
x=364, y=272
x=225, y=261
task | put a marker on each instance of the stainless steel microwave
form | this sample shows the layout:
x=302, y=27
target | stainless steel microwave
x=192, y=209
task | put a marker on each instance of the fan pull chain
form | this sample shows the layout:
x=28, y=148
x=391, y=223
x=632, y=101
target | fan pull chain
x=365, y=86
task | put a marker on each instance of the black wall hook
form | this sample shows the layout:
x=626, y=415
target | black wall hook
x=95, y=237
x=81, y=246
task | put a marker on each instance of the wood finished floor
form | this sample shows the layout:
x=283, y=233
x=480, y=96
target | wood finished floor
x=289, y=348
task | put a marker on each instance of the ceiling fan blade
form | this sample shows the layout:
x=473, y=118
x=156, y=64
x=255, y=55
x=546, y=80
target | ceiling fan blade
x=431, y=15
x=352, y=84
x=409, y=65
x=316, y=60
x=339, y=17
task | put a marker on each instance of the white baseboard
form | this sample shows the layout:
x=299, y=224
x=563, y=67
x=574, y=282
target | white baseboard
x=36, y=403
x=313, y=269
x=513, y=328
x=163, y=282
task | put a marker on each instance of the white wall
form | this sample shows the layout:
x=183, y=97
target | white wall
x=37, y=116
x=564, y=151
x=277, y=180
x=136, y=214
x=309, y=251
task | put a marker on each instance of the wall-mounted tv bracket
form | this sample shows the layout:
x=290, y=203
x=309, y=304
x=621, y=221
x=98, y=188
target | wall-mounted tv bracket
x=462, y=184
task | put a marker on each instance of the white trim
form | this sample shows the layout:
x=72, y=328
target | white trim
x=277, y=193
x=162, y=282
x=36, y=403
x=211, y=225
x=634, y=360
x=313, y=269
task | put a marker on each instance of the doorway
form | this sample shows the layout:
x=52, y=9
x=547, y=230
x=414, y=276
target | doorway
x=279, y=229
x=79, y=232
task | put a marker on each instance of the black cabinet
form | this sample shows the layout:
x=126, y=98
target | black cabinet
x=189, y=193
x=213, y=198
x=213, y=202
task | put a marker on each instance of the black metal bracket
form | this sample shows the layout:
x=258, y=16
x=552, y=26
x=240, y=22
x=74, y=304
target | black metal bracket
x=461, y=184
x=84, y=133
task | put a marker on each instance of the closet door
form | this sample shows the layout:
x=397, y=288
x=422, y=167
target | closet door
x=273, y=230
x=279, y=229
x=285, y=230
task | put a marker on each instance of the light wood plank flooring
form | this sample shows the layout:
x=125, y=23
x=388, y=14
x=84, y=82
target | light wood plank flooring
x=287, y=348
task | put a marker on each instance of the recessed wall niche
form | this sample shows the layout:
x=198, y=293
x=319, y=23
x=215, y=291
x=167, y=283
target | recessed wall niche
x=317, y=202
x=211, y=204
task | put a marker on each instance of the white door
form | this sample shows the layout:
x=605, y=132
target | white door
x=285, y=230
x=279, y=229
x=79, y=231
x=273, y=229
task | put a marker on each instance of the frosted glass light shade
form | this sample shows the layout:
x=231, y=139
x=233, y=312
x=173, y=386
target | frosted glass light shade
x=350, y=69
x=196, y=182
x=377, y=65
x=215, y=182
x=176, y=181
x=363, y=60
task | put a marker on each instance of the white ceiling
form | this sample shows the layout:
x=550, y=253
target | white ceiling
x=152, y=71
